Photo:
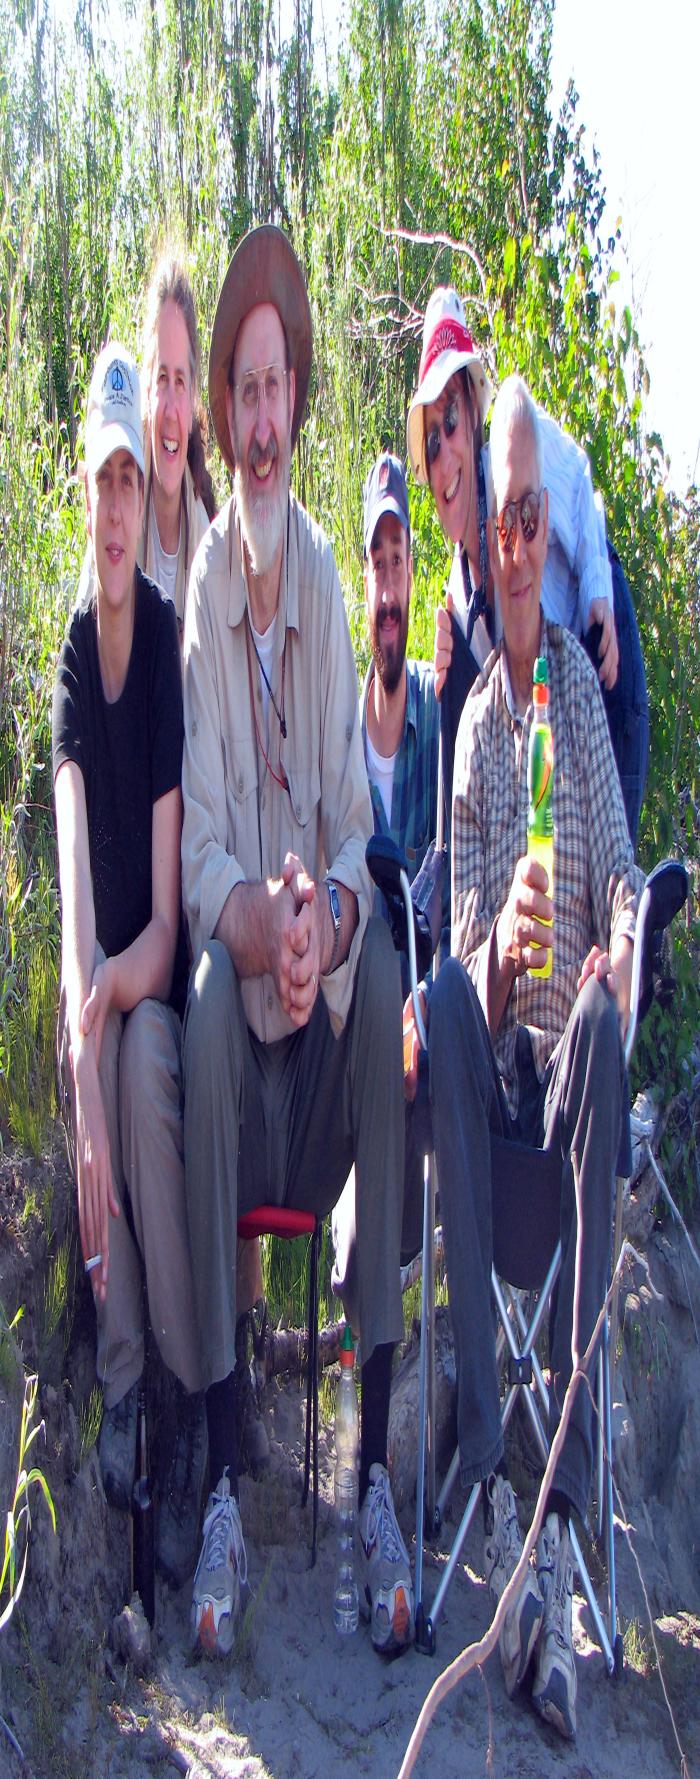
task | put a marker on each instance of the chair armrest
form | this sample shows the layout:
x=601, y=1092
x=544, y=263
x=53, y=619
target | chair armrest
x=664, y=894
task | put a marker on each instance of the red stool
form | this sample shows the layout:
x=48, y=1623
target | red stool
x=278, y=1220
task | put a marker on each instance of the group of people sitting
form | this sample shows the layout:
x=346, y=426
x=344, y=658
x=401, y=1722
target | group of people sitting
x=217, y=790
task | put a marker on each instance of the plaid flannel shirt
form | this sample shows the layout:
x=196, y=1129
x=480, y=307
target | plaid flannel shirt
x=596, y=882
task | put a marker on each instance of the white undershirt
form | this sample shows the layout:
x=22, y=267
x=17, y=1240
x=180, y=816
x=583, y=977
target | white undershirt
x=380, y=771
x=264, y=643
x=165, y=566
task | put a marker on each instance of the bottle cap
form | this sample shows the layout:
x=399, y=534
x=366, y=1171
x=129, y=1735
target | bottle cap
x=540, y=685
x=347, y=1346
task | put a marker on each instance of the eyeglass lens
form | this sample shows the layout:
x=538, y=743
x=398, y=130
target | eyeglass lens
x=449, y=425
x=529, y=510
x=268, y=380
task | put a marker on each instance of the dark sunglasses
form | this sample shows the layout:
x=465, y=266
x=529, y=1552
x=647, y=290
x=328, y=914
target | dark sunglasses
x=529, y=508
x=448, y=424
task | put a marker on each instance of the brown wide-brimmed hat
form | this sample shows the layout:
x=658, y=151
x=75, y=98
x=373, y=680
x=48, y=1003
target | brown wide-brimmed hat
x=264, y=269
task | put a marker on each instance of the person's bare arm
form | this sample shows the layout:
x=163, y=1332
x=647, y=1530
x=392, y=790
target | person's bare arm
x=96, y=1198
x=145, y=968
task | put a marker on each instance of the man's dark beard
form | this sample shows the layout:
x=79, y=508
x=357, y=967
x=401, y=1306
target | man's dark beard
x=390, y=669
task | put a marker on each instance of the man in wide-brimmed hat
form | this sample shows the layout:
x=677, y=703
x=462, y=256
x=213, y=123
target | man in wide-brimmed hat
x=293, y=1065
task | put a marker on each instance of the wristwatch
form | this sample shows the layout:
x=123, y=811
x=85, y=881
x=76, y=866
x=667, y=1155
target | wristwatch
x=334, y=900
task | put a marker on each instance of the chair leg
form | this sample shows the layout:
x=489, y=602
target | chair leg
x=312, y=1389
x=423, y=1396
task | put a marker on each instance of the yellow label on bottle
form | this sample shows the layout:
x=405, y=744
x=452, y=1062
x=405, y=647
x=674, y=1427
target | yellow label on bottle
x=541, y=847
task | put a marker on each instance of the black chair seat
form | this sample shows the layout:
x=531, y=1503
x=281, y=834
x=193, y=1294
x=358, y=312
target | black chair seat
x=525, y=1200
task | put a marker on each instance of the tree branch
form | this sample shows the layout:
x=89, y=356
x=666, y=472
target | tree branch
x=477, y=1653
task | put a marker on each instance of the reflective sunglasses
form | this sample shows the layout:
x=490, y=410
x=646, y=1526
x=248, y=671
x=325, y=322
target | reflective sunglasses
x=529, y=508
x=268, y=381
x=448, y=424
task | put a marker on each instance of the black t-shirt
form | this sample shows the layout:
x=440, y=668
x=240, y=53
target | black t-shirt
x=130, y=754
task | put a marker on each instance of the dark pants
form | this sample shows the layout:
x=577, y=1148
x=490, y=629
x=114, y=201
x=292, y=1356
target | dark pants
x=575, y=1109
x=283, y=1123
x=626, y=706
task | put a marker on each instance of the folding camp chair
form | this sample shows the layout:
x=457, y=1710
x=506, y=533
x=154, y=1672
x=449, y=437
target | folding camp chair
x=287, y=1224
x=527, y=1254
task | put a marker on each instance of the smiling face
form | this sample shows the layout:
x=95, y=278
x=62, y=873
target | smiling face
x=388, y=575
x=260, y=413
x=518, y=573
x=115, y=513
x=170, y=397
x=453, y=473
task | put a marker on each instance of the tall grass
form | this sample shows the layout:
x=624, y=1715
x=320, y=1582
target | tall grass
x=39, y=543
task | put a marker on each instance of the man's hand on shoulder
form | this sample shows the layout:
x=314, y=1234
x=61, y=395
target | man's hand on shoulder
x=444, y=643
x=601, y=612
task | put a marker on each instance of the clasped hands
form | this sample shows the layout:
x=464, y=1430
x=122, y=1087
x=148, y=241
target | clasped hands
x=298, y=939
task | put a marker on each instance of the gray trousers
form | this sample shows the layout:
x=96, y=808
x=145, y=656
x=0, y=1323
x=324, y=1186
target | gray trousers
x=282, y=1123
x=418, y=1143
x=576, y=1109
x=141, y=1086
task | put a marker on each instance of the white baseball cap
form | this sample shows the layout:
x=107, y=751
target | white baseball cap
x=113, y=419
x=447, y=347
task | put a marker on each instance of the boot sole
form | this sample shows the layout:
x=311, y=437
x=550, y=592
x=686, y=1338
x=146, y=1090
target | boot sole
x=553, y=1706
x=213, y=1643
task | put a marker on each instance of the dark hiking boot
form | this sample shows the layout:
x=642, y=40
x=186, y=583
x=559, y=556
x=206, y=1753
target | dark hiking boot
x=116, y=1448
x=183, y=1493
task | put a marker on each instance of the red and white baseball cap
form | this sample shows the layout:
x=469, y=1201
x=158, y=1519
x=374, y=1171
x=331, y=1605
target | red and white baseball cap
x=447, y=347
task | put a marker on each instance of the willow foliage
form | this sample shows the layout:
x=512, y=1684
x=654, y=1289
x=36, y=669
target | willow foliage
x=428, y=153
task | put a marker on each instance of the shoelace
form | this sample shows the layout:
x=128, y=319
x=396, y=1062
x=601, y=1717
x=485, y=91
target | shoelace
x=382, y=1522
x=560, y=1589
x=503, y=1503
x=221, y=1525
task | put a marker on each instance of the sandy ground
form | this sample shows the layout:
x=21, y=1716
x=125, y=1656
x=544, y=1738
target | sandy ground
x=294, y=1701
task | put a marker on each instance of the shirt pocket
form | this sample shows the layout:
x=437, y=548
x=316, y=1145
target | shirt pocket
x=304, y=810
x=241, y=783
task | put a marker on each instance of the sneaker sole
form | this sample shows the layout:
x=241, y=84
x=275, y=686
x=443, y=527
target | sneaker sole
x=553, y=1706
x=398, y=1635
x=528, y=1632
x=213, y=1643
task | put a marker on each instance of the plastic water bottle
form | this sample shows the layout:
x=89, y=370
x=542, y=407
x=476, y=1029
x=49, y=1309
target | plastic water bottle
x=345, y=1597
x=142, y=1549
x=540, y=776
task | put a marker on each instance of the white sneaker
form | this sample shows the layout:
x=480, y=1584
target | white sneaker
x=502, y=1552
x=222, y=1567
x=554, y=1689
x=386, y=1590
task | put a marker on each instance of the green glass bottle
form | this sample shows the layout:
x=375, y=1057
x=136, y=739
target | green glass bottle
x=540, y=778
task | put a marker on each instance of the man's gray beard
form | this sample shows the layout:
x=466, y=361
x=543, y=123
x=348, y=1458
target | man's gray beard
x=262, y=519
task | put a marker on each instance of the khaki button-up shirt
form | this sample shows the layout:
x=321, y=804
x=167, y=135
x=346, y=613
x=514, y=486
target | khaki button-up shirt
x=239, y=822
